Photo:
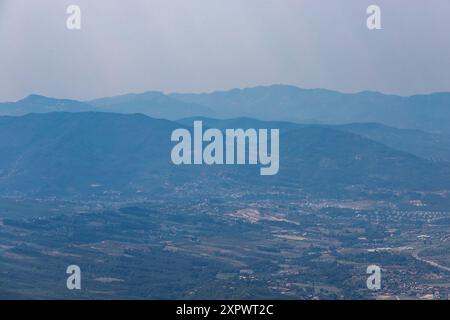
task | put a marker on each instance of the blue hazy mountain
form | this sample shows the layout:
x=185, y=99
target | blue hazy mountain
x=427, y=145
x=429, y=113
x=432, y=146
x=241, y=122
x=288, y=103
x=79, y=154
x=40, y=104
x=67, y=153
x=152, y=103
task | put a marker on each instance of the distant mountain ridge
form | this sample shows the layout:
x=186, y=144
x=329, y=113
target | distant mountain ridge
x=426, y=145
x=40, y=104
x=86, y=153
x=289, y=103
x=429, y=113
x=152, y=103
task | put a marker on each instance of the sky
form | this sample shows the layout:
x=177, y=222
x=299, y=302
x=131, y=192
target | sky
x=206, y=45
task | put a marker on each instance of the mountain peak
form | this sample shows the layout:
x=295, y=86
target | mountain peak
x=35, y=103
x=35, y=97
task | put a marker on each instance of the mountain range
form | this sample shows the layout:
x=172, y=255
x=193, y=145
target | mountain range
x=431, y=146
x=429, y=113
x=151, y=103
x=89, y=153
x=330, y=142
x=39, y=104
x=279, y=102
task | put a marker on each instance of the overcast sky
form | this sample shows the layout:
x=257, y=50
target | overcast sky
x=205, y=45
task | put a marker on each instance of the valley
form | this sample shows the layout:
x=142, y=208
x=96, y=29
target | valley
x=99, y=190
x=230, y=247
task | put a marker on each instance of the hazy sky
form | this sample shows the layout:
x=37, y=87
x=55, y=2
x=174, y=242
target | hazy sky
x=205, y=45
